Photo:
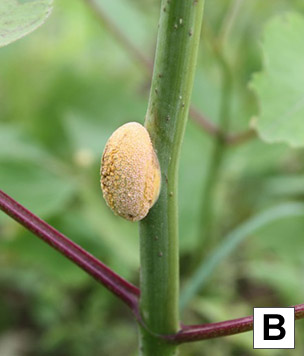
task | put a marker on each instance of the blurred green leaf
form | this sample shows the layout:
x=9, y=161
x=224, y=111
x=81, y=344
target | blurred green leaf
x=36, y=187
x=232, y=241
x=130, y=21
x=88, y=136
x=282, y=240
x=286, y=278
x=31, y=174
x=285, y=185
x=279, y=86
x=20, y=17
x=15, y=144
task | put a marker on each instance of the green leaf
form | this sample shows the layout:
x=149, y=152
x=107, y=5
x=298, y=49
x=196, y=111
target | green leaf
x=279, y=87
x=37, y=187
x=129, y=19
x=15, y=144
x=232, y=241
x=21, y=17
x=32, y=175
x=284, y=277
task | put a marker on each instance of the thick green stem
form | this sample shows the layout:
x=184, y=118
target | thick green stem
x=176, y=54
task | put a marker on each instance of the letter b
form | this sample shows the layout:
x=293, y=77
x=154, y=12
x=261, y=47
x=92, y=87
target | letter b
x=279, y=326
x=273, y=328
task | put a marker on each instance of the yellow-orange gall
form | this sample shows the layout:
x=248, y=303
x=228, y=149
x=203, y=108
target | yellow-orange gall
x=130, y=173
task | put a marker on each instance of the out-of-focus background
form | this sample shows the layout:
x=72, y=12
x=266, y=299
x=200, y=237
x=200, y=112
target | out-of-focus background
x=63, y=90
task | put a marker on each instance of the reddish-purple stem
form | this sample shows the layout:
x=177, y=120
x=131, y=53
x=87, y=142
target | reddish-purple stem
x=124, y=290
x=225, y=328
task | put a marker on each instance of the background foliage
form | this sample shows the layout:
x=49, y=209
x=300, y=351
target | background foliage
x=63, y=90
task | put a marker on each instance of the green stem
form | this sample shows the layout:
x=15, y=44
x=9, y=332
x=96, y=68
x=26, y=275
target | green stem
x=176, y=54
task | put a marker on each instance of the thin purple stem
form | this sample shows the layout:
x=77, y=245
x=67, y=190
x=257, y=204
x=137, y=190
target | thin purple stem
x=213, y=330
x=124, y=290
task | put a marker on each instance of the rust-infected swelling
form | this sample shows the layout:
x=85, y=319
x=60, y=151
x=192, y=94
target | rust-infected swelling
x=130, y=173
